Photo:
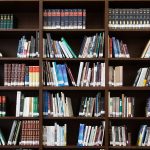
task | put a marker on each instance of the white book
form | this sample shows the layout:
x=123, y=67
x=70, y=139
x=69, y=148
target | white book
x=65, y=135
x=113, y=136
x=64, y=50
x=88, y=135
x=85, y=135
x=80, y=73
x=26, y=107
x=94, y=136
x=91, y=136
x=142, y=77
x=18, y=99
x=110, y=107
x=102, y=74
x=54, y=73
x=50, y=135
x=69, y=107
x=145, y=52
x=44, y=135
x=10, y=142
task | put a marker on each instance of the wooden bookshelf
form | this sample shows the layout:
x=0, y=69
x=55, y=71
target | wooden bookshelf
x=29, y=14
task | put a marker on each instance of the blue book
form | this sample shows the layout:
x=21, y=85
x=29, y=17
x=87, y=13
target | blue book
x=81, y=134
x=64, y=73
x=115, y=51
x=118, y=47
x=45, y=108
x=59, y=74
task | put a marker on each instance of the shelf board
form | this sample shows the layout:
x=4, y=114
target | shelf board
x=128, y=59
x=74, y=0
x=72, y=88
x=129, y=118
x=18, y=146
x=127, y=0
x=129, y=30
x=129, y=147
x=130, y=88
x=73, y=30
x=18, y=59
x=19, y=0
x=74, y=118
x=18, y=88
x=19, y=30
x=18, y=118
x=74, y=59
x=75, y=147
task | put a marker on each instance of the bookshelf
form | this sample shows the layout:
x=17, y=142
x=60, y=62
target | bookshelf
x=29, y=21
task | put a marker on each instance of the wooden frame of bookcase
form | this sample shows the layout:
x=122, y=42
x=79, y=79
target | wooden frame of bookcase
x=105, y=89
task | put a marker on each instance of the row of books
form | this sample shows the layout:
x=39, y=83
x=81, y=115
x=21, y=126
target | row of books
x=64, y=19
x=91, y=74
x=55, y=135
x=129, y=18
x=143, y=77
x=6, y=21
x=117, y=49
x=119, y=136
x=92, y=46
x=28, y=48
x=56, y=74
x=115, y=75
x=2, y=106
x=57, y=49
x=21, y=75
x=29, y=132
x=92, y=106
x=26, y=106
x=91, y=135
x=121, y=106
x=144, y=136
x=57, y=105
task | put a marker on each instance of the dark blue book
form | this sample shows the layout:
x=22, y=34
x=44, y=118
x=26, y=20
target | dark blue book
x=115, y=51
x=81, y=135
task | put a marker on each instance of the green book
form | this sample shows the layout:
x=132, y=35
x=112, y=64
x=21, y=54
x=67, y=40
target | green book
x=35, y=107
x=5, y=21
x=70, y=49
x=120, y=107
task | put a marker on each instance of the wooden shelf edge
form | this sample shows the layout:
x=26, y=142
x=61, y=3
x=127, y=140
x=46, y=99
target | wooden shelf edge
x=19, y=118
x=19, y=30
x=129, y=118
x=74, y=118
x=74, y=59
x=75, y=147
x=129, y=88
x=73, y=30
x=129, y=147
x=129, y=30
x=71, y=88
x=18, y=88
x=18, y=59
